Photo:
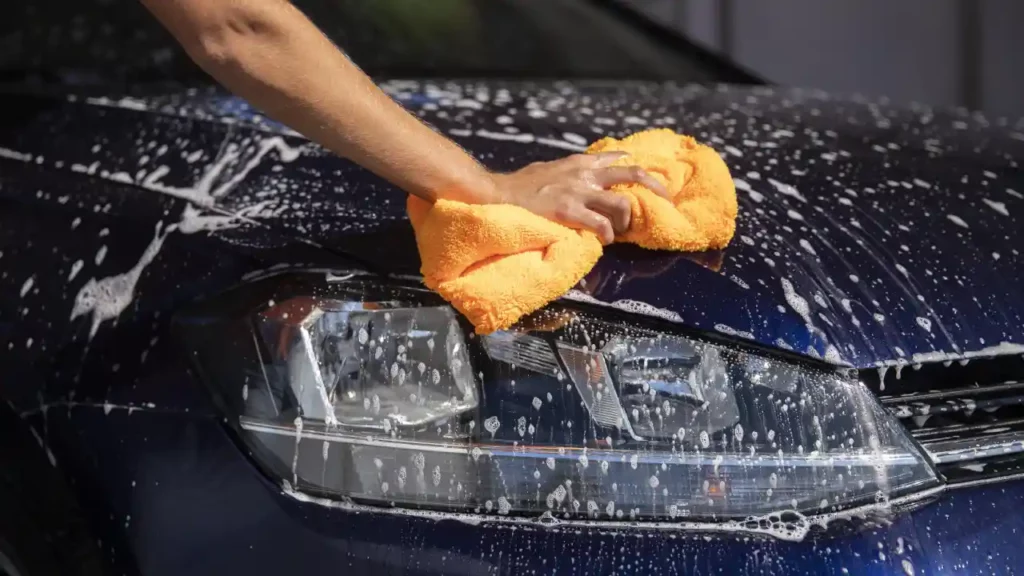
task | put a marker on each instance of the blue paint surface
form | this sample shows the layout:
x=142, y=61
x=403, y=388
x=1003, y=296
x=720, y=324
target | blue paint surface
x=170, y=493
x=197, y=505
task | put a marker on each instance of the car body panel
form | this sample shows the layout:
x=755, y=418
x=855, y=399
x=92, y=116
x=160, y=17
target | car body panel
x=877, y=231
x=117, y=211
x=186, y=500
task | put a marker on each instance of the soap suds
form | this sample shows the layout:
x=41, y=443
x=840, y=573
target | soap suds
x=957, y=220
x=796, y=302
x=107, y=298
x=743, y=185
x=203, y=192
x=14, y=155
x=75, y=269
x=997, y=206
x=734, y=332
x=27, y=286
x=1001, y=349
x=787, y=190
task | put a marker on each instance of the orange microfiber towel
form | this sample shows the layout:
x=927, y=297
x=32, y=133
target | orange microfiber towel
x=497, y=263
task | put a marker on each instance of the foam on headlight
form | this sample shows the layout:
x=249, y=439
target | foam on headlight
x=390, y=402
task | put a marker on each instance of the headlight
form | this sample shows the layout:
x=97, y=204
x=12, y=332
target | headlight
x=381, y=395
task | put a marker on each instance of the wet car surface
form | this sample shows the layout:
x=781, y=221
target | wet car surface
x=872, y=237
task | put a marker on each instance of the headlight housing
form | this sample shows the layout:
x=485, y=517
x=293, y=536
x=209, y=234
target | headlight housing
x=379, y=393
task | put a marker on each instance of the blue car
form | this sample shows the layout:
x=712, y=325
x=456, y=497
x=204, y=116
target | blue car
x=218, y=357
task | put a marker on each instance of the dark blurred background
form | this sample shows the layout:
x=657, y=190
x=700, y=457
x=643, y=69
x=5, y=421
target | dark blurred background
x=942, y=52
x=939, y=52
x=111, y=41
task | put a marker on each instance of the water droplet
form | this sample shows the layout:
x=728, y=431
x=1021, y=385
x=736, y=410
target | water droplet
x=492, y=424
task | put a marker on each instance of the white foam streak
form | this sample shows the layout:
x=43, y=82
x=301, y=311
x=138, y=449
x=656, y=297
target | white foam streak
x=1001, y=349
x=997, y=206
x=14, y=155
x=631, y=306
x=745, y=186
x=795, y=528
x=796, y=302
x=957, y=220
x=561, y=144
x=203, y=192
x=127, y=103
x=787, y=189
x=107, y=298
x=521, y=138
x=75, y=269
x=193, y=220
x=724, y=329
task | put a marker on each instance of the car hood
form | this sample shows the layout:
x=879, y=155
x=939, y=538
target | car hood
x=867, y=234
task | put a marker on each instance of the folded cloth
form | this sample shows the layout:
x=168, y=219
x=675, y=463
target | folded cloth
x=702, y=212
x=497, y=263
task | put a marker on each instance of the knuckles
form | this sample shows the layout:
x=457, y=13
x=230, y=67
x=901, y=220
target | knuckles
x=622, y=205
x=565, y=209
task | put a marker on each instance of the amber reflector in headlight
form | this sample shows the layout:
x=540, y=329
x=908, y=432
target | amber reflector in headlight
x=380, y=395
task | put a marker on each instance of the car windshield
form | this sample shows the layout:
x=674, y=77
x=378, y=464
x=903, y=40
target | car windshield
x=108, y=42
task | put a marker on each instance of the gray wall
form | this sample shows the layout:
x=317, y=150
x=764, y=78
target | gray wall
x=941, y=52
x=1002, y=46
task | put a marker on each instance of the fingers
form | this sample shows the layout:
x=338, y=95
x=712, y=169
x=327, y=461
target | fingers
x=575, y=191
x=599, y=224
x=599, y=171
x=607, y=175
x=604, y=159
x=613, y=206
x=579, y=216
x=612, y=175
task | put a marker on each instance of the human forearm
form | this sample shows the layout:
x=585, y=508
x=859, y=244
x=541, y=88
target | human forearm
x=269, y=53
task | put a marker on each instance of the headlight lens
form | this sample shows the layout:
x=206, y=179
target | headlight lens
x=381, y=395
x=371, y=366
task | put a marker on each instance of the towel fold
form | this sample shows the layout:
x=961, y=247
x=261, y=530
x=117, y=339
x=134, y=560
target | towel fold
x=497, y=263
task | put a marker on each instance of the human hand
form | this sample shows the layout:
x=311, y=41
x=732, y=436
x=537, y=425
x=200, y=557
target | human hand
x=575, y=191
